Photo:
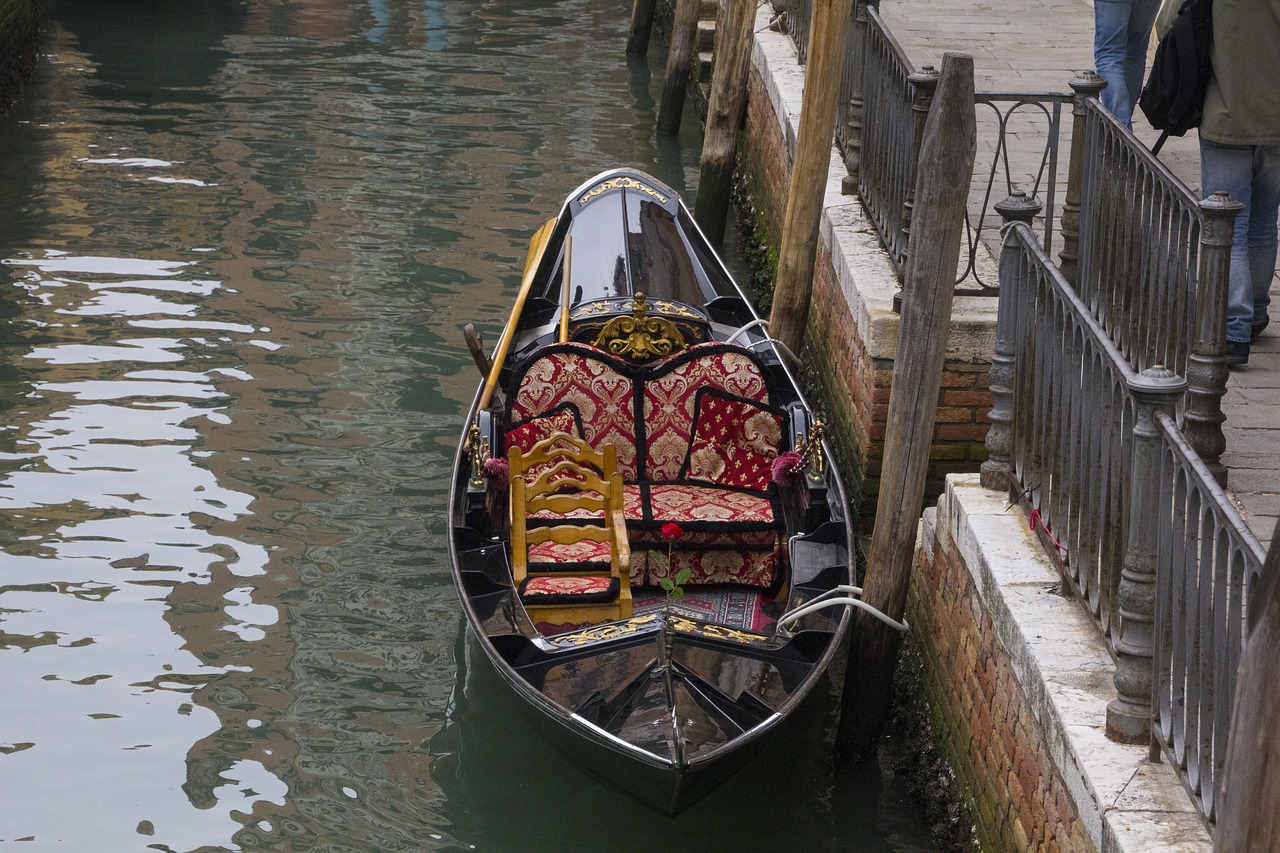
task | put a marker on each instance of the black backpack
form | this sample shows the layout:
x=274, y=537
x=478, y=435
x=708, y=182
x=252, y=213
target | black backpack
x=1173, y=99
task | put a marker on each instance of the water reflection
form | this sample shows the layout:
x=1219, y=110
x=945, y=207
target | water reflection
x=238, y=244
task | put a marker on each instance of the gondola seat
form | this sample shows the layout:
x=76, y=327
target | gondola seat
x=569, y=573
x=694, y=435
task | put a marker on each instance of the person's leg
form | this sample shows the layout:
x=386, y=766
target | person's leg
x=1110, y=46
x=1142, y=16
x=1230, y=169
x=1262, y=228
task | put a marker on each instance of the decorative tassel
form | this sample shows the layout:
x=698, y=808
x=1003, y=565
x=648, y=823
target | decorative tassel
x=498, y=473
x=786, y=468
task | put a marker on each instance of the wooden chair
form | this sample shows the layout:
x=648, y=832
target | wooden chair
x=575, y=556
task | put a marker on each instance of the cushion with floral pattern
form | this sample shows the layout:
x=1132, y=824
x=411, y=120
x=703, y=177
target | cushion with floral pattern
x=735, y=441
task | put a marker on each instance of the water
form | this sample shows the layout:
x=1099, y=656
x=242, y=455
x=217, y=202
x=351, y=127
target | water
x=238, y=241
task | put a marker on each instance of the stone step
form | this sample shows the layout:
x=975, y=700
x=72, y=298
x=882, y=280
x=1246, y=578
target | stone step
x=706, y=35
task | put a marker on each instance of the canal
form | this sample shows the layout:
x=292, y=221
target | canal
x=238, y=242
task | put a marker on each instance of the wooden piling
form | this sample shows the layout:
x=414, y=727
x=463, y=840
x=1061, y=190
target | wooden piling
x=641, y=26
x=684, y=41
x=942, y=188
x=794, y=284
x=1248, y=818
x=724, y=117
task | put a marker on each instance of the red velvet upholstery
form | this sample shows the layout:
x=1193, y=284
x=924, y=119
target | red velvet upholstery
x=734, y=442
x=596, y=384
x=718, y=490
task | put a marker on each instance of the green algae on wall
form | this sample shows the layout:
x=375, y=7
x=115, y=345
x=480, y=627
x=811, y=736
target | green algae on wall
x=18, y=33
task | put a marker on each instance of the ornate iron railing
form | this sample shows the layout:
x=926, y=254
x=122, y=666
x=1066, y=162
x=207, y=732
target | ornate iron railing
x=1107, y=375
x=1032, y=168
x=1207, y=562
x=1153, y=267
x=884, y=101
x=895, y=102
x=1138, y=525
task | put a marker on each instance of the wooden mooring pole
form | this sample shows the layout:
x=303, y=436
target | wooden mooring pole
x=827, y=36
x=942, y=188
x=641, y=26
x=684, y=38
x=1248, y=819
x=724, y=117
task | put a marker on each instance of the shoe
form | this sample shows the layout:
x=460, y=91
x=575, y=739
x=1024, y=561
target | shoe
x=1237, y=353
x=1258, y=328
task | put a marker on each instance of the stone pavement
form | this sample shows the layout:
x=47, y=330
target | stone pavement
x=1030, y=46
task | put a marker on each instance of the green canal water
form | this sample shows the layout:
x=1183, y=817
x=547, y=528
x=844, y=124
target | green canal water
x=238, y=242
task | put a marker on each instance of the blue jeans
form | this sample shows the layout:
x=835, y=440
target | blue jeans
x=1251, y=174
x=1121, y=32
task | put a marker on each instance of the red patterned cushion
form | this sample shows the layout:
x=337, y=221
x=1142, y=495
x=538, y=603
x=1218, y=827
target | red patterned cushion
x=603, y=396
x=670, y=397
x=550, y=556
x=563, y=590
x=687, y=503
x=744, y=540
x=753, y=568
x=734, y=442
x=563, y=418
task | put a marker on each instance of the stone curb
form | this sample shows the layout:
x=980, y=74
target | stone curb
x=1127, y=804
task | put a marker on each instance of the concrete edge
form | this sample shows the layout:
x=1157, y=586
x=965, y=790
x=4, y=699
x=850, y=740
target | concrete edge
x=1127, y=804
x=866, y=275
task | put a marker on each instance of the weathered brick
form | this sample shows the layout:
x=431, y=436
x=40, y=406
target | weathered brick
x=972, y=432
x=954, y=415
x=971, y=398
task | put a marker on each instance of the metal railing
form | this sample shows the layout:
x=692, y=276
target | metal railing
x=884, y=101
x=1107, y=378
x=1207, y=563
x=1033, y=170
x=1138, y=525
x=1153, y=267
x=895, y=102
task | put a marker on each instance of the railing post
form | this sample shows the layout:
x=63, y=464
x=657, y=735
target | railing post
x=1086, y=84
x=1129, y=715
x=857, y=77
x=924, y=82
x=995, y=471
x=1207, y=364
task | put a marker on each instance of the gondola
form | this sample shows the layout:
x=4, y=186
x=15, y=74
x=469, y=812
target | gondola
x=646, y=535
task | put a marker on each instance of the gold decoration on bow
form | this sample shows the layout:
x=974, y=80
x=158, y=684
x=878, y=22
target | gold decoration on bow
x=810, y=451
x=640, y=337
x=477, y=450
x=619, y=184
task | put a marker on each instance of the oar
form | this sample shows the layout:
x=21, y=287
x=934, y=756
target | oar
x=565, y=278
x=536, y=249
x=475, y=343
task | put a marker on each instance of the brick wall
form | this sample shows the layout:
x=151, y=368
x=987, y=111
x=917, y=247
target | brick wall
x=981, y=716
x=855, y=383
x=17, y=48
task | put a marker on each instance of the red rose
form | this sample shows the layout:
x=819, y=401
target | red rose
x=672, y=531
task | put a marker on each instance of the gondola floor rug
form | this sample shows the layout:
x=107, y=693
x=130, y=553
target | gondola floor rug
x=733, y=606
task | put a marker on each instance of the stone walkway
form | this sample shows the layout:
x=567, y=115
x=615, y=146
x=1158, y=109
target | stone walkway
x=1017, y=47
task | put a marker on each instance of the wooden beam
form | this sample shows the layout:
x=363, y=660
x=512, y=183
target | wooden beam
x=641, y=26
x=684, y=39
x=942, y=189
x=724, y=117
x=827, y=41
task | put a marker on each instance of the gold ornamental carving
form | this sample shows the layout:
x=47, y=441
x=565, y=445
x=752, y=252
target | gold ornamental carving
x=640, y=338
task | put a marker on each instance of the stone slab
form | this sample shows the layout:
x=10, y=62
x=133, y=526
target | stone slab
x=1127, y=804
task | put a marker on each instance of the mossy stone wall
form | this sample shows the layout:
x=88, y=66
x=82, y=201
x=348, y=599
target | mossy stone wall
x=18, y=35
